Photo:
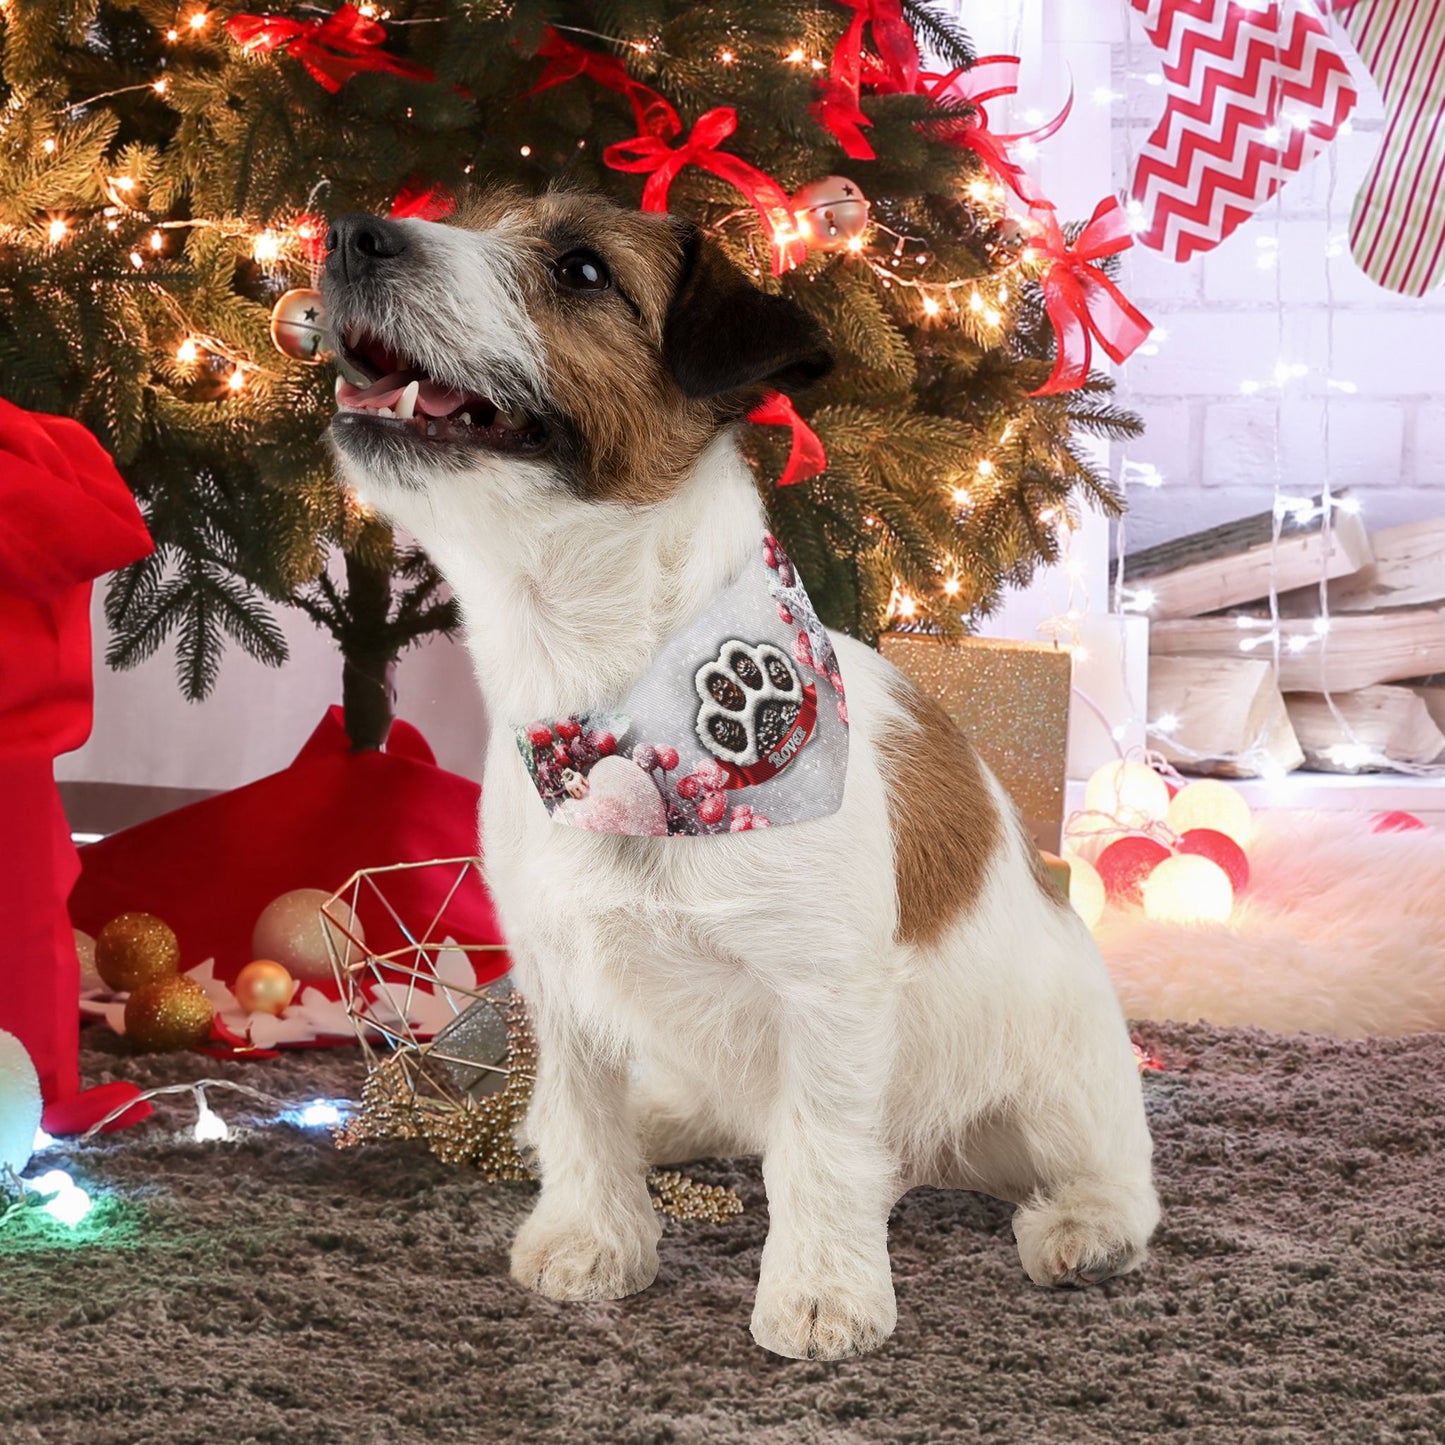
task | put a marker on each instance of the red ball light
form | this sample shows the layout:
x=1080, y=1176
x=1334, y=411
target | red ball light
x=1126, y=863
x=1396, y=823
x=1219, y=848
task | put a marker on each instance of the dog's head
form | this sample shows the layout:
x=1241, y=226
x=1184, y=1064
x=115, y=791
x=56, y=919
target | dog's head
x=550, y=342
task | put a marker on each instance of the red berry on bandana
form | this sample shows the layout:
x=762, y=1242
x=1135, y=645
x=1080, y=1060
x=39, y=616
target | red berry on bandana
x=569, y=730
x=605, y=743
x=784, y=615
x=689, y=787
x=667, y=759
x=645, y=756
x=539, y=735
x=712, y=808
x=710, y=774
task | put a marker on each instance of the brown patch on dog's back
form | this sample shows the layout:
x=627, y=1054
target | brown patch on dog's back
x=946, y=825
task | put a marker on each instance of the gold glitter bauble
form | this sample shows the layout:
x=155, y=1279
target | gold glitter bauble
x=136, y=948
x=264, y=987
x=171, y=1013
x=292, y=931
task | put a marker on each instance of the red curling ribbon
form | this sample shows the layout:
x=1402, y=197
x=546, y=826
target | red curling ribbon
x=332, y=50
x=651, y=155
x=807, y=457
x=566, y=61
x=1083, y=304
x=421, y=202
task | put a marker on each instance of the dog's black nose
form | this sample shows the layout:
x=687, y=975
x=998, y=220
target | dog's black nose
x=358, y=243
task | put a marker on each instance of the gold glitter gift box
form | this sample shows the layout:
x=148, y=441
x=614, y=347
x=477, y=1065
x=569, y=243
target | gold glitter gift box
x=1012, y=700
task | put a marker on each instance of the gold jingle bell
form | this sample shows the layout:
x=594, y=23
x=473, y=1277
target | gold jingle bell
x=830, y=212
x=298, y=326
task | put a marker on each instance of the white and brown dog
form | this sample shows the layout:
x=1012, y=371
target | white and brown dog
x=894, y=995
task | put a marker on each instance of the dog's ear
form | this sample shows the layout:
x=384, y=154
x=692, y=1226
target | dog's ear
x=722, y=334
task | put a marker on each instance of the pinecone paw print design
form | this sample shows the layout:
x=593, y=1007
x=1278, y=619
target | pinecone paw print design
x=756, y=712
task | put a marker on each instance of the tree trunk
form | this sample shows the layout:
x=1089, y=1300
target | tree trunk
x=368, y=675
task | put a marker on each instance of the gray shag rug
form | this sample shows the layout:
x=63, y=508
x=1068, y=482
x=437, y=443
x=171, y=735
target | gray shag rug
x=273, y=1288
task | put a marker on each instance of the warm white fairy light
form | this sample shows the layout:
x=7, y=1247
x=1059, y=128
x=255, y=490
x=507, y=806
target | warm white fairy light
x=952, y=587
x=48, y=145
x=727, y=57
x=985, y=467
x=137, y=260
x=69, y=1204
x=931, y=306
x=962, y=496
x=795, y=56
x=237, y=379
x=160, y=86
x=173, y=35
x=187, y=351
x=58, y=230
x=157, y=241
x=209, y=1125
x=266, y=247
x=526, y=150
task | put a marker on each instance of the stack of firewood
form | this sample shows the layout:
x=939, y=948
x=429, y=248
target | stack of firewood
x=1360, y=692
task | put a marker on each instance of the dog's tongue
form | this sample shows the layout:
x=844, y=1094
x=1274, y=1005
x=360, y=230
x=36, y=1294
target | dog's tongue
x=432, y=400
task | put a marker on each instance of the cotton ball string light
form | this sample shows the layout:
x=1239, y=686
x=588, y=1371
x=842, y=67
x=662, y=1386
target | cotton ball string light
x=1219, y=848
x=1187, y=888
x=1086, y=891
x=20, y=1104
x=1087, y=837
x=1215, y=805
x=292, y=933
x=1133, y=794
x=1126, y=863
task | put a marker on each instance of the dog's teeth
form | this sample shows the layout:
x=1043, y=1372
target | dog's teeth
x=385, y=411
x=340, y=382
x=465, y=418
x=406, y=406
x=431, y=428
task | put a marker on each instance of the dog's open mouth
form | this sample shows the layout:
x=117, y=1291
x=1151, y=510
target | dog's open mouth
x=397, y=393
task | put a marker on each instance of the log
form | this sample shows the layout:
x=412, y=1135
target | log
x=1229, y=565
x=1408, y=570
x=1393, y=722
x=1230, y=719
x=1363, y=649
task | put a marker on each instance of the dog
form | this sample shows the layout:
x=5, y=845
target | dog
x=892, y=995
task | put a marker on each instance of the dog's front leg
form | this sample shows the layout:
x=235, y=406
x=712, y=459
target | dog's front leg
x=826, y=1290
x=593, y=1232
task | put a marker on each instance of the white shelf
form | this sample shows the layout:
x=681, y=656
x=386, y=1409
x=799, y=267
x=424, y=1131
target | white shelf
x=1335, y=792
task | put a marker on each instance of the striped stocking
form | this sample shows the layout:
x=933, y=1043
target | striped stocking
x=1397, y=233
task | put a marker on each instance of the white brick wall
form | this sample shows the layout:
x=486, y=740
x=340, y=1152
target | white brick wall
x=1282, y=287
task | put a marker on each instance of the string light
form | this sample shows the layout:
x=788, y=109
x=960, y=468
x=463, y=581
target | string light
x=266, y=247
x=58, y=230
x=795, y=57
x=69, y=1203
x=173, y=35
x=198, y=20
x=160, y=86
x=209, y=1125
x=157, y=241
x=48, y=145
x=237, y=379
x=137, y=260
x=986, y=468
x=931, y=306
x=526, y=151
x=727, y=57
x=952, y=587
x=187, y=351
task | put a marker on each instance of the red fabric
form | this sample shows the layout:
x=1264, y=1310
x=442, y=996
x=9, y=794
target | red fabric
x=68, y=518
x=566, y=61
x=210, y=868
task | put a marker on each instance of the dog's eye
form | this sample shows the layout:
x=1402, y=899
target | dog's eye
x=581, y=271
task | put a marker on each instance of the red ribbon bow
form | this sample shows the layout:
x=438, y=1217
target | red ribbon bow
x=987, y=79
x=566, y=61
x=651, y=153
x=332, y=50
x=1083, y=304
x=807, y=457
x=837, y=108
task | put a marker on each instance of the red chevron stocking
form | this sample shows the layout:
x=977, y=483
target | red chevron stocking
x=1398, y=230
x=1256, y=92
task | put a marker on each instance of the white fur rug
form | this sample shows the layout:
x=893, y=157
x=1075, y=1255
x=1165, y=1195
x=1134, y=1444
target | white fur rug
x=1341, y=931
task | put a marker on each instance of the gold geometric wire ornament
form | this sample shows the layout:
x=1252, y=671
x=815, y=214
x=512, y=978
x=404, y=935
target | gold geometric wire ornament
x=450, y=1061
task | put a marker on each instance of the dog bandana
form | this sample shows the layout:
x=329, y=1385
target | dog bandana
x=740, y=723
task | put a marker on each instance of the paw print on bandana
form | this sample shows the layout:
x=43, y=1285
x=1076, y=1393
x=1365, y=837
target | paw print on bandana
x=751, y=697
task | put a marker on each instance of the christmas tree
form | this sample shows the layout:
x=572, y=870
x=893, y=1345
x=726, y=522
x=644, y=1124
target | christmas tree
x=165, y=172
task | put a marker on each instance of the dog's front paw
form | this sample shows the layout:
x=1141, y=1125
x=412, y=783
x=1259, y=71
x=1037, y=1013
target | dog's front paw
x=570, y=1259
x=824, y=1320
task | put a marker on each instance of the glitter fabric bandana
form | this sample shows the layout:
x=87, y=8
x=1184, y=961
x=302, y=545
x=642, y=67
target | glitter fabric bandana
x=740, y=723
